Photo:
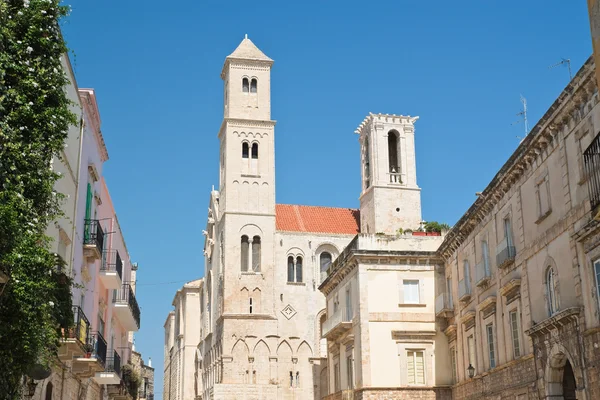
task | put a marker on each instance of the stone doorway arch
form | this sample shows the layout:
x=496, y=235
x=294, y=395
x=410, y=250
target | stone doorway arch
x=561, y=383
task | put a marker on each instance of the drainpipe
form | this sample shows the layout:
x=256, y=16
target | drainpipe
x=74, y=223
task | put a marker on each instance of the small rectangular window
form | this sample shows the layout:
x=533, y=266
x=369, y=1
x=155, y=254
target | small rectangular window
x=411, y=291
x=415, y=367
x=514, y=328
x=250, y=305
x=490, y=337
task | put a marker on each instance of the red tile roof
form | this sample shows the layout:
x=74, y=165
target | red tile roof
x=295, y=218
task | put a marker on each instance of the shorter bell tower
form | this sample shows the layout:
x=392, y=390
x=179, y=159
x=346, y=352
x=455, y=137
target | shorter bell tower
x=390, y=199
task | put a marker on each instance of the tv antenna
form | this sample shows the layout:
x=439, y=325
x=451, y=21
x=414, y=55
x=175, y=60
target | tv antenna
x=524, y=115
x=563, y=62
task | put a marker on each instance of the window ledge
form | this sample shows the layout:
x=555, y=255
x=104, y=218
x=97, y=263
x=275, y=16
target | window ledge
x=543, y=216
x=412, y=305
x=252, y=273
x=297, y=283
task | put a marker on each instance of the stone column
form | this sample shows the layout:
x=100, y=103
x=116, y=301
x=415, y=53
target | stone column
x=249, y=267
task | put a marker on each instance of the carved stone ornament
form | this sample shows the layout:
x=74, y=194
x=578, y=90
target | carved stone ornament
x=288, y=311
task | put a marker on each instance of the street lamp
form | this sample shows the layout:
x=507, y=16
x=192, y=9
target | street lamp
x=471, y=371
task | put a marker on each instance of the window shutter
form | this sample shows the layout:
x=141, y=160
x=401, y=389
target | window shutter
x=410, y=370
x=420, y=368
x=88, y=204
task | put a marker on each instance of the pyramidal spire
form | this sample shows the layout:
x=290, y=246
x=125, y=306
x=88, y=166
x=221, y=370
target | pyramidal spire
x=248, y=51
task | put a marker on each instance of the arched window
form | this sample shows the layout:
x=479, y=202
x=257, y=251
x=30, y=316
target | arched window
x=49, y=389
x=253, y=86
x=245, y=85
x=290, y=267
x=298, y=269
x=245, y=150
x=244, y=254
x=325, y=260
x=255, y=150
x=393, y=156
x=551, y=291
x=256, y=254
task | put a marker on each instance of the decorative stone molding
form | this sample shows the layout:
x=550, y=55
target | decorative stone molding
x=511, y=290
x=488, y=306
x=559, y=319
x=450, y=332
x=468, y=319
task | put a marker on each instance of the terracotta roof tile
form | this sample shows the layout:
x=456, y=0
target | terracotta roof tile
x=296, y=218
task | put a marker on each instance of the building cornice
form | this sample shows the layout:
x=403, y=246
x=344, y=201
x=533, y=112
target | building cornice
x=88, y=100
x=245, y=123
x=559, y=319
x=578, y=92
x=385, y=118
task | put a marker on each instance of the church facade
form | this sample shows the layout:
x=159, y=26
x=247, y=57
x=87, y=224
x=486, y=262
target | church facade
x=262, y=314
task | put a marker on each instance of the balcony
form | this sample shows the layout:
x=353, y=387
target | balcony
x=482, y=274
x=112, y=372
x=591, y=159
x=337, y=324
x=93, y=239
x=94, y=358
x=464, y=290
x=74, y=340
x=443, y=306
x=126, y=308
x=111, y=269
x=505, y=255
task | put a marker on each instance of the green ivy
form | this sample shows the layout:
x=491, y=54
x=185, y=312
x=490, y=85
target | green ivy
x=34, y=122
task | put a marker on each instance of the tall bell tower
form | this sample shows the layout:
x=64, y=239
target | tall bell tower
x=390, y=198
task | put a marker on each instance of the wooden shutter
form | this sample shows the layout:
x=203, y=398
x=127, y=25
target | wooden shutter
x=410, y=370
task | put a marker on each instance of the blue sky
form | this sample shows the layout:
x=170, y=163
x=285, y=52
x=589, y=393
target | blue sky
x=155, y=65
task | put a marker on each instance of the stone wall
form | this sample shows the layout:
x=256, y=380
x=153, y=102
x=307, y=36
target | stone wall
x=507, y=382
x=393, y=393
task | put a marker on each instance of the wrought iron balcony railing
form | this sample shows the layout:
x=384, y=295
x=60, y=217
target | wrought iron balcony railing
x=113, y=364
x=482, y=273
x=338, y=319
x=111, y=262
x=591, y=159
x=443, y=304
x=505, y=254
x=81, y=330
x=93, y=235
x=98, y=346
x=464, y=290
x=126, y=296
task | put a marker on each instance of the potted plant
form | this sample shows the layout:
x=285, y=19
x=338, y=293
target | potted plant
x=89, y=349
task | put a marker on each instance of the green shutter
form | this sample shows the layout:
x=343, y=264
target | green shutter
x=88, y=204
x=88, y=214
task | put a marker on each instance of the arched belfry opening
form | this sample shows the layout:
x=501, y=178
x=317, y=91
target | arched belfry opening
x=393, y=151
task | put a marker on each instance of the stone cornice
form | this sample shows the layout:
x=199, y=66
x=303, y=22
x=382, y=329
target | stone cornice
x=559, y=319
x=88, y=100
x=245, y=62
x=245, y=123
x=577, y=92
x=389, y=118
